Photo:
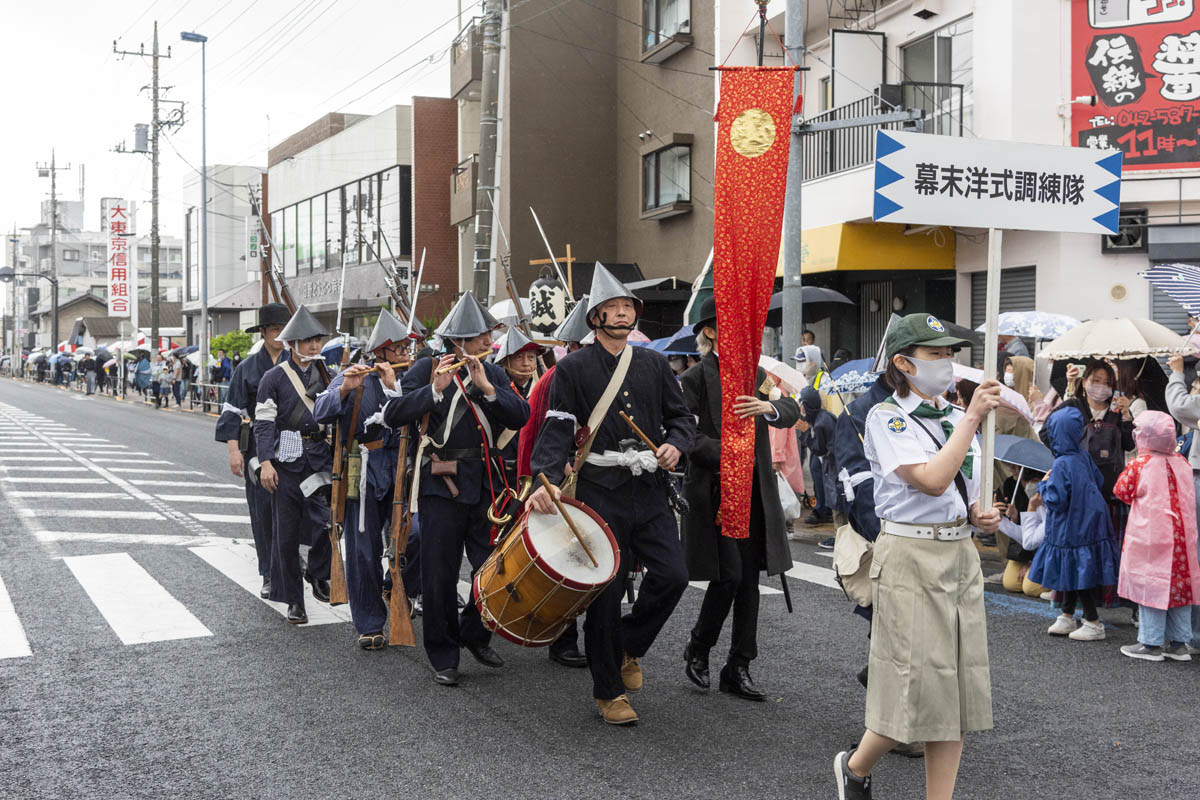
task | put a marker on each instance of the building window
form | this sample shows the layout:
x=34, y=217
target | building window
x=406, y=247
x=667, y=180
x=304, y=236
x=938, y=76
x=389, y=214
x=287, y=236
x=353, y=223
x=664, y=19
x=825, y=93
x=70, y=255
x=318, y=232
x=368, y=217
x=335, y=230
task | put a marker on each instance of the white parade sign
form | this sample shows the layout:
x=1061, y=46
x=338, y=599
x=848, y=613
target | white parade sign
x=978, y=183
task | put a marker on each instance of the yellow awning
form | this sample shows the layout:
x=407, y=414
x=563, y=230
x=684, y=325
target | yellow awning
x=873, y=246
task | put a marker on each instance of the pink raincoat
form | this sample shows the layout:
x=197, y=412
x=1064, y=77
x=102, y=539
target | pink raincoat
x=784, y=450
x=1158, y=561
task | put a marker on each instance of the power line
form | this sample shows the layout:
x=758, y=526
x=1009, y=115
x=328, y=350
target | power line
x=242, y=53
x=250, y=68
x=216, y=35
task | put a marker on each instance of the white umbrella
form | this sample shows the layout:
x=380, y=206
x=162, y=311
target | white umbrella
x=787, y=374
x=506, y=311
x=194, y=358
x=1116, y=338
x=1033, y=324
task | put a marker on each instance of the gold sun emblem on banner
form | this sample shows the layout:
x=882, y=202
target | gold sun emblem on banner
x=752, y=133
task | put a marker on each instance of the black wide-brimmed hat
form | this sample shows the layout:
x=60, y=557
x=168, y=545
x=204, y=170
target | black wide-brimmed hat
x=708, y=314
x=270, y=314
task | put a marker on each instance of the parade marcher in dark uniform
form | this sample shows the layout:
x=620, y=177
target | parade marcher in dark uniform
x=234, y=428
x=355, y=401
x=453, y=484
x=296, y=459
x=730, y=565
x=619, y=481
x=571, y=331
x=518, y=355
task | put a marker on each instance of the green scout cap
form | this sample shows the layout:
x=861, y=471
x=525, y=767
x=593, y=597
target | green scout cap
x=922, y=329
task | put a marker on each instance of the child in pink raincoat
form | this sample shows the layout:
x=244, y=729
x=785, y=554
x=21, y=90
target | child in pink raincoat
x=1159, y=570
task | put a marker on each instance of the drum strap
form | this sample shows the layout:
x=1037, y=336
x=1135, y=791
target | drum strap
x=598, y=414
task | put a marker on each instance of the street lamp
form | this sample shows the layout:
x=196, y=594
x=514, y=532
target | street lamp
x=196, y=37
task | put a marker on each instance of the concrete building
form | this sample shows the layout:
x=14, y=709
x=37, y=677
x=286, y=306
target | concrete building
x=346, y=196
x=1000, y=69
x=229, y=223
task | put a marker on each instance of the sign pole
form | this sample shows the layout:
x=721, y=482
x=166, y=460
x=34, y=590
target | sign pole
x=991, y=348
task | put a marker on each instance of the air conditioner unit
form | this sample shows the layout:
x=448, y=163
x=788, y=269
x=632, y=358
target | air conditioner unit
x=924, y=9
x=1131, y=233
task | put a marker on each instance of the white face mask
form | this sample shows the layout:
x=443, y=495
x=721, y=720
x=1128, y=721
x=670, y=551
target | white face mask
x=1008, y=379
x=933, y=377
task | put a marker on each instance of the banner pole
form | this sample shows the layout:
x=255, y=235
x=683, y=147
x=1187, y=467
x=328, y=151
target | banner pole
x=991, y=348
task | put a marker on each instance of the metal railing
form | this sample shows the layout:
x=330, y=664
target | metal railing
x=833, y=151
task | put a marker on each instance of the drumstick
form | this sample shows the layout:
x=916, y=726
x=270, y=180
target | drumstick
x=558, y=504
x=640, y=434
x=453, y=367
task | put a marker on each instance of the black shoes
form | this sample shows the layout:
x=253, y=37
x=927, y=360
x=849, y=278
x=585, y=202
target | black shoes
x=736, y=680
x=818, y=519
x=485, y=655
x=568, y=657
x=296, y=614
x=850, y=786
x=827, y=543
x=446, y=677
x=320, y=587
x=695, y=665
x=265, y=591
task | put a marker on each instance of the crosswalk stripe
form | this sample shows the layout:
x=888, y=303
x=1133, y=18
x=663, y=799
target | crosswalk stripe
x=201, y=498
x=703, y=586
x=244, y=520
x=158, y=470
x=134, y=604
x=128, y=461
x=822, y=576
x=22, y=468
x=88, y=513
x=13, y=643
x=240, y=565
x=108, y=452
x=34, y=458
x=824, y=553
x=195, y=484
x=69, y=495
x=74, y=481
x=131, y=538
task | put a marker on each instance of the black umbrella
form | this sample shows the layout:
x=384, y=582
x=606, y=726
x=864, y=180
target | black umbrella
x=1022, y=452
x=818, y=302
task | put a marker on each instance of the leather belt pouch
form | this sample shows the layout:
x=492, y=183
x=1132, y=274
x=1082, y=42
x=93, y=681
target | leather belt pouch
x=244, y=437
x=439, y=467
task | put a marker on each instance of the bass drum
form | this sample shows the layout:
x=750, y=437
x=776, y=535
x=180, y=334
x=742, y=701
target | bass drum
x=539, y=579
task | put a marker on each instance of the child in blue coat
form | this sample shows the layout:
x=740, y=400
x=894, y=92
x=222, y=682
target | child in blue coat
x=1080, y=551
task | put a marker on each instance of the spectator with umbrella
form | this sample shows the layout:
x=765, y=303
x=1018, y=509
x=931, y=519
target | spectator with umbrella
x=1024, y=514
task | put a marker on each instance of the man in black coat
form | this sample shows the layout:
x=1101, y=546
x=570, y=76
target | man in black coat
x=731, y=566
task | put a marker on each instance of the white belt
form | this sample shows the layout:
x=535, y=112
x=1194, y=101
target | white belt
x=636, y=461
x=941, y=531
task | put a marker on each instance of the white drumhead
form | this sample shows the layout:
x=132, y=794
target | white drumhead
x=558, y=547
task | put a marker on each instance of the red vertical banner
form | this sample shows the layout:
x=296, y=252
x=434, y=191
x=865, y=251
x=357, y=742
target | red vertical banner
x=754, y=117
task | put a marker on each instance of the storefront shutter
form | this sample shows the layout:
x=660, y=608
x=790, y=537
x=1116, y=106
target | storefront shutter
x=1166, y=311
x=1018, y=292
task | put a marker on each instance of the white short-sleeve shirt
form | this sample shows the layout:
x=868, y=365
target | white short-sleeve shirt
x=893, y=440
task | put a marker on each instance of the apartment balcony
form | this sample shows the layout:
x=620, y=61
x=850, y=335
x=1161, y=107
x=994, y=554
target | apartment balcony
x=463, y=182
x=833, y=151
x=466, y=62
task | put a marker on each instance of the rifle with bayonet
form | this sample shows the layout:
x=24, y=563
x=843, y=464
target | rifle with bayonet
x=391, y=274
x=279, y=288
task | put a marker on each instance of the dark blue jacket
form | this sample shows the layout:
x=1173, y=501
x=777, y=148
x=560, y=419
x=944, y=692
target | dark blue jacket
x=848, y=455
x=277, y=389
x=381, y=463
x=507, y=410
x=242, y=396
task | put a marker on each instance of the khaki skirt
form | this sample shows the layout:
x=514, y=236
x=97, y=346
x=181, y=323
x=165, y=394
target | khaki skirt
x=929, y=676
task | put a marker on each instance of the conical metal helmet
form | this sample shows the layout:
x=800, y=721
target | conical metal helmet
x=574, y=327
x=302, y=325
x=606, y=287
x=514, y=341
x=466, y=320
x=387, y=329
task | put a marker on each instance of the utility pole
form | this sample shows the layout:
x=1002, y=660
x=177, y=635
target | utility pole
x=488, y=127
x=155, y=124
x=52, y=170
x=793, y=291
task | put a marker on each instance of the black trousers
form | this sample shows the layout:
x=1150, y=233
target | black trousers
x=1087, y=598
x=297, y=520
x=646, y=532
x=447, y=528
x=258, y=500
x=739, y=593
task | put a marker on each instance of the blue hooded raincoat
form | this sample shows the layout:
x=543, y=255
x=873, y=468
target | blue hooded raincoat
x=1080, y=550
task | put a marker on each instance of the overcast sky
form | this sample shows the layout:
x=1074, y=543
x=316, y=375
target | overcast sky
x=274, y=66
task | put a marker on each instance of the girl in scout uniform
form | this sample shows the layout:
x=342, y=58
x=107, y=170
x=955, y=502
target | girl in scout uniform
x=929, y=661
